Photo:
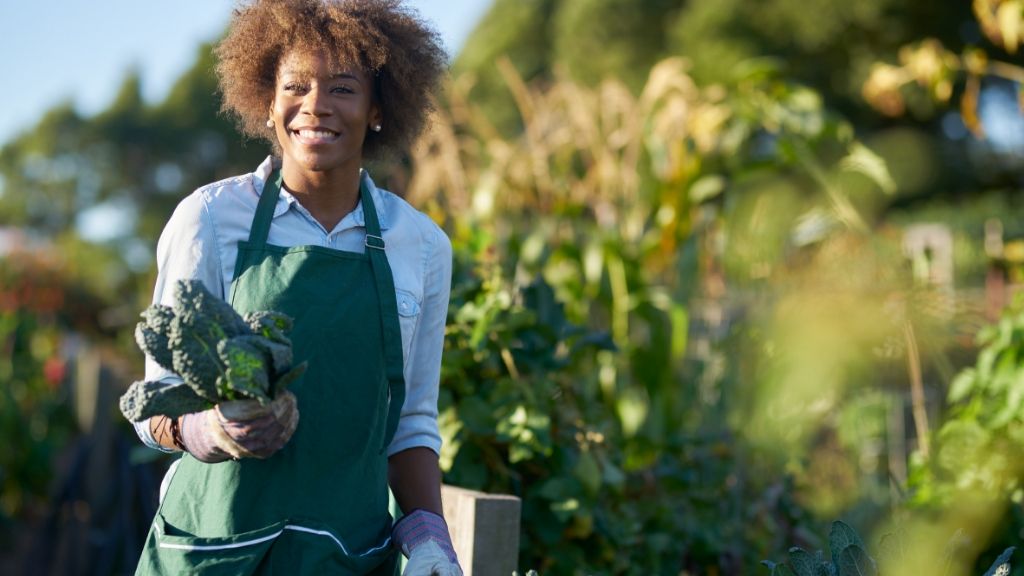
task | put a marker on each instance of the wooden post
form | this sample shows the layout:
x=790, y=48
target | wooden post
x=484, y=530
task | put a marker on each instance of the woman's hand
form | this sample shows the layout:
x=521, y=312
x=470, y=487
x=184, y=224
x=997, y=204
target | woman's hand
x=240, y=429
x=423, y=537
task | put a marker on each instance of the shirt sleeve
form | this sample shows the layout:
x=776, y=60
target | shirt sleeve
x=187, y=249
x=417, y=426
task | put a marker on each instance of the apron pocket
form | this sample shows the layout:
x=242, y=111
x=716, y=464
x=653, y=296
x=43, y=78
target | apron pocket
x=309, y=547
x=180, y=553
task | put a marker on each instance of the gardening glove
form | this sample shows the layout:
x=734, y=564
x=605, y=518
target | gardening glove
x=240, y=429
x=423, y=537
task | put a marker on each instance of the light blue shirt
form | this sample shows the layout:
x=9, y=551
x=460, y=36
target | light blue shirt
x=200, y=241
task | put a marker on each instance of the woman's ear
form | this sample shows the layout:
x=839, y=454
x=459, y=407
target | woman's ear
x=375, y=118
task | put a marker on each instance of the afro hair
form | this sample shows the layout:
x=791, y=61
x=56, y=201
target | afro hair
x=388, y=40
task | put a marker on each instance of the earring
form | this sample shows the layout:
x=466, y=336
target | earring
x=375, y=127
x=270, y=123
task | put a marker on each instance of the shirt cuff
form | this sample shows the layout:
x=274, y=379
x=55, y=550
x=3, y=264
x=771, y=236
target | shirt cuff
x=416, y=431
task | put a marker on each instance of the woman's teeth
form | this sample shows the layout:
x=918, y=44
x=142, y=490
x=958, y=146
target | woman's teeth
x=316, y=134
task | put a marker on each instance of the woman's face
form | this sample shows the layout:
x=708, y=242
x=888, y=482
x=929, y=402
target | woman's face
x=321, y=112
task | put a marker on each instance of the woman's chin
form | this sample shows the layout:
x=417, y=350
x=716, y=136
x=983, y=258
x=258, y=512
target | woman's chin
x=312, y=163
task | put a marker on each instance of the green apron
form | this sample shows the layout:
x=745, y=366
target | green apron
x=320, y=504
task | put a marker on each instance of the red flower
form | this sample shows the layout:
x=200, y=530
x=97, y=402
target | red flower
x=54, y=370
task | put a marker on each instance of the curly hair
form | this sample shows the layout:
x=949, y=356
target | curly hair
x=395, y=47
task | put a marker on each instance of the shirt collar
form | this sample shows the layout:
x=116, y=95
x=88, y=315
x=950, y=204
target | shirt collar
x=285, y=200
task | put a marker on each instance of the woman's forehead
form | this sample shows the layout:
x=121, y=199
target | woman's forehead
x=304, y=62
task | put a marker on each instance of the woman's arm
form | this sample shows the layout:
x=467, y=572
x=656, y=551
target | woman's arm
x=422, y=535
x=415, y=480
x=413, y=471
x=413, y=452
x=187, y=249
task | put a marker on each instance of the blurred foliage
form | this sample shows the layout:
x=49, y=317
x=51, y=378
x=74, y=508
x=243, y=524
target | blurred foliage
x=931, y=66
x=35, y=411
x=971, y=485
x=848, y=556
x=117, y=176
x=826, y=44
x=980, y=442
x=567, y=374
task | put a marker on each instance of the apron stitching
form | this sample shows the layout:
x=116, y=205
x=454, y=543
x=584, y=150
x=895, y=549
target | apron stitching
x=385, y=544
x=221, y=546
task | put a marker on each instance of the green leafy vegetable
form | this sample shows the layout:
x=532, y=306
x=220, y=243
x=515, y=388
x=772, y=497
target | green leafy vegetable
x=146, y=399
x=245, y=373
x=219, y=354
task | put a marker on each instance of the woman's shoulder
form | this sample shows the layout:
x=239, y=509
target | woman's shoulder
x=228, y=195
x=230, y=189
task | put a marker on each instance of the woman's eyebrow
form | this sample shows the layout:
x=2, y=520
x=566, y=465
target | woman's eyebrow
x=346, y=76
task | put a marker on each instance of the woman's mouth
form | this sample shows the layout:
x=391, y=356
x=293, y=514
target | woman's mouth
x=314, y=136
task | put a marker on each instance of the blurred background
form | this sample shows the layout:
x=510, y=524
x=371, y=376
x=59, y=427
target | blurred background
x=725, y=271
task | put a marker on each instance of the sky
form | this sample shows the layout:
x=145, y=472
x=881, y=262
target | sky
x=80, y=51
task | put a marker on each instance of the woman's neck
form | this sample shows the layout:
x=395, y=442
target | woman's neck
x=328, y=195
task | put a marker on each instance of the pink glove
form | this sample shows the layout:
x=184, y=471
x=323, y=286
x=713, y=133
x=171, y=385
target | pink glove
x=240, y=429
x=423, y=537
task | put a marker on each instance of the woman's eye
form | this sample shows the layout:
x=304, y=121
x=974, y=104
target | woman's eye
x=343, y=90
x=293, y=87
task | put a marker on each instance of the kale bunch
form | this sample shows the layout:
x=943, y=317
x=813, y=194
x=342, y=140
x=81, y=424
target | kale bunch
x=220, y=355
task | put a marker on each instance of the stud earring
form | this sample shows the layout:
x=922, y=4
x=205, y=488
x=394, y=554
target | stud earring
x=270, y=123
x=375, y=127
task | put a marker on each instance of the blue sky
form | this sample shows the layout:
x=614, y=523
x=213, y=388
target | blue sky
x=77, y=50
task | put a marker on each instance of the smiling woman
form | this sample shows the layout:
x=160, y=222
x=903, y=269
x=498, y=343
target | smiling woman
x=321, y=113
x=375, y=38
x=366, y=278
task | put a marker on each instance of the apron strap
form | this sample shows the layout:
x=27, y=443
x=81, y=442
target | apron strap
x=265, y=211
x=388, y=313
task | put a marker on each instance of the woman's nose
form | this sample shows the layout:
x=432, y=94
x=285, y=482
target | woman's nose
x=315, y=102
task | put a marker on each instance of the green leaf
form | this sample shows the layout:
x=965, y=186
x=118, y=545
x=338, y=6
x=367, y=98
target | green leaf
x=558, y=488
x=565, y=509
x=632, y=407
x=588, y=472
x=986, y=359
x=854, y=561
x=782, y=570
x=863, y=160
x=804, y=563
x=706, y=188
x=757, y=69
x=1005, y=371
x=145, y=399
x=612, y=475
x=281, y=383
x=962, y=385
x=841, y=537
x=778, y=569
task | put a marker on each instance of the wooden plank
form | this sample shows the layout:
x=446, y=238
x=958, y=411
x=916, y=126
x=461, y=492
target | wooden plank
x=484, y=530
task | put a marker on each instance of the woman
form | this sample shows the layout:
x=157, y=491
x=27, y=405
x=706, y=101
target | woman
x=366, y=277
